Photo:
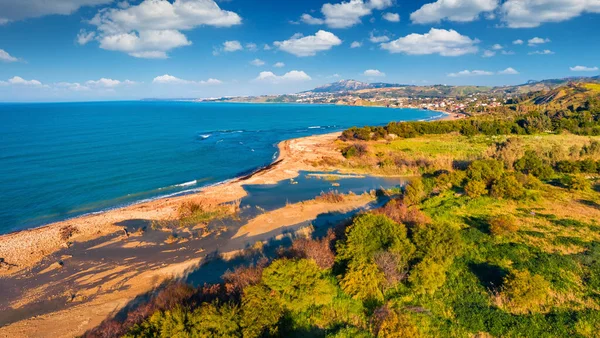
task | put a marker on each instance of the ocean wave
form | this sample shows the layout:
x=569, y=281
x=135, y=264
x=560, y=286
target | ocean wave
x=315, y=127
x=187, y=184
x=205, y=136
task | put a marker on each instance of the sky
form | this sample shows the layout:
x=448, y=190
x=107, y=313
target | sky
x=87, y=50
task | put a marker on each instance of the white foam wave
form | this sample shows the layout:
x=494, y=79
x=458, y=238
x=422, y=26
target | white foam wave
x=187, y=184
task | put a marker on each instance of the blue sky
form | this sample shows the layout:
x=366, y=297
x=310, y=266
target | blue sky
x=71, y=50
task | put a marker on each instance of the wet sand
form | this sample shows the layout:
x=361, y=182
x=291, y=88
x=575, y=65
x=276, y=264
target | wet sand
x=51, y=288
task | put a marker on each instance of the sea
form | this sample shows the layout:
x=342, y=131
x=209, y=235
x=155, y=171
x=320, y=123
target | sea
x=63, y=160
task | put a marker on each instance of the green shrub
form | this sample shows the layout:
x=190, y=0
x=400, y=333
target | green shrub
x=370, y=234
x=576, y=182
x=507, y=186
x=261, y=312
x=502, y=225
x=476, y=188
x=414, y=192
x=364, y=281
x=532, y=164
x=299, y=284
x=355, y=150
x=439, y=241
x=524, y=292
x=427, y=276
x=486, y=171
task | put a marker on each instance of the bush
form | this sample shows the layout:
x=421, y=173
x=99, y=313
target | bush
x=438, y=241
x=507, y=187
x=427, y=276
x=299, y=284
x=486, y=171
x=400, y=213
x=370, y=234
x=389, y=323
x=318, y=250
x=364, y=281
x=261, y=312
x=567, y=167
x=355, y=150
x=524, y=292
x=414, y=191
x=502, y=225
x=532, y=164
x=576, y=182
x=476, y=188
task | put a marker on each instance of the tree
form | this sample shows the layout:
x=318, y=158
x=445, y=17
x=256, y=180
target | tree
x=532, y=164
x=476, y=188
x=502, y=225
x=414, y=191
x=524, y=292
x=486, y=171
x=261, y=312
x=576, y=182
x=369, y=234
x=507, y=186
x=438, y=241
x=427, y=276
x=212, y=320
x=364, y=281
x=299, y=284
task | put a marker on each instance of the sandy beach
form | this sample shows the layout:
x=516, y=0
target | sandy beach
x=106, y=262
x=23, y=249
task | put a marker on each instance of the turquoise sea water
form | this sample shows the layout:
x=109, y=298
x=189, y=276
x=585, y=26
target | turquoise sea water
x=61, y=160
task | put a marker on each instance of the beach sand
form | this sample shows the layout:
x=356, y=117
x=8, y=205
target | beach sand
x=51, y=288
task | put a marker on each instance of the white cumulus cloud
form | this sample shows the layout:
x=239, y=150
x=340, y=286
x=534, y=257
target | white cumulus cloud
x=19, y=81
x=508, y=71
x=537, y=41
x=452, y=10
x=232, y=46
x=518, y=42
x=170, y=79
x=292, y=76
x=152, y=28
x=4, y=56
x=257, y=62
x=470, y=73
x=583, y=69
x=15, y=10
x=436, y=41
x=497, y=47
x=345, y=14
x=541, y=52
x=279, y=65
x=391, y=17
x=83, y=37
x=309, y=45
x=488, y=53
x=373, y=73
x=355, y=44
x=378, y=39
x=532, y=13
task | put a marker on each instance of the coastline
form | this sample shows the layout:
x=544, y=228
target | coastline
x=22, y=249
x=104, y=265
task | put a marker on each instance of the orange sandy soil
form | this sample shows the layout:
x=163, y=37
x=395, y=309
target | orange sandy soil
x=52, y=290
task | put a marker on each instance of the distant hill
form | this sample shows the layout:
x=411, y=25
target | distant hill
x=350, y=85
x=574, y=94
x=443, y=91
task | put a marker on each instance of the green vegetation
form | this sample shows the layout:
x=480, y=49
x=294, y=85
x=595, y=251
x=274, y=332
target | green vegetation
x=498, y=236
